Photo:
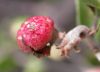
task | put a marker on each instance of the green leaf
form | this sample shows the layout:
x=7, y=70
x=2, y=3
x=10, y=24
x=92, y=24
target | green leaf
x=95, y=3
x=97, y=36
x=86, y=15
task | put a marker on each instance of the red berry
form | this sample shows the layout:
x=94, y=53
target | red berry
x=35, y=33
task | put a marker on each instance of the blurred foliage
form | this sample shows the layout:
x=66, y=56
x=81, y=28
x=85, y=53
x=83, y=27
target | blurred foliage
x=7, y=43
x=92, y=60
x=15, y=24
x=86, y=15
x=34, y=65
x=7, y=64
x=4, y=40
x=97, y=37
x=95, y=3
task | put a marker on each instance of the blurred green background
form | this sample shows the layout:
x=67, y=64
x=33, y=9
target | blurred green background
x=66, y=14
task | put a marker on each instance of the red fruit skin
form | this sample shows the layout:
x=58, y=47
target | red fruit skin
x=35, y=33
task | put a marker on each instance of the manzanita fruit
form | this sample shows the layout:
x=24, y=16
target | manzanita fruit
x=35, y=34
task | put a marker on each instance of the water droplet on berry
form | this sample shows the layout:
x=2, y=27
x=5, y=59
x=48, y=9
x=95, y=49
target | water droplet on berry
x=24, y=35
x=26, y=22
x=19, y=38
x=22, y=28
x=48, y=44
x=48, y=20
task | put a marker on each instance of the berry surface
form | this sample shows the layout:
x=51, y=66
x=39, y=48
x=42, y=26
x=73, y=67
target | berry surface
x=35, y=33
